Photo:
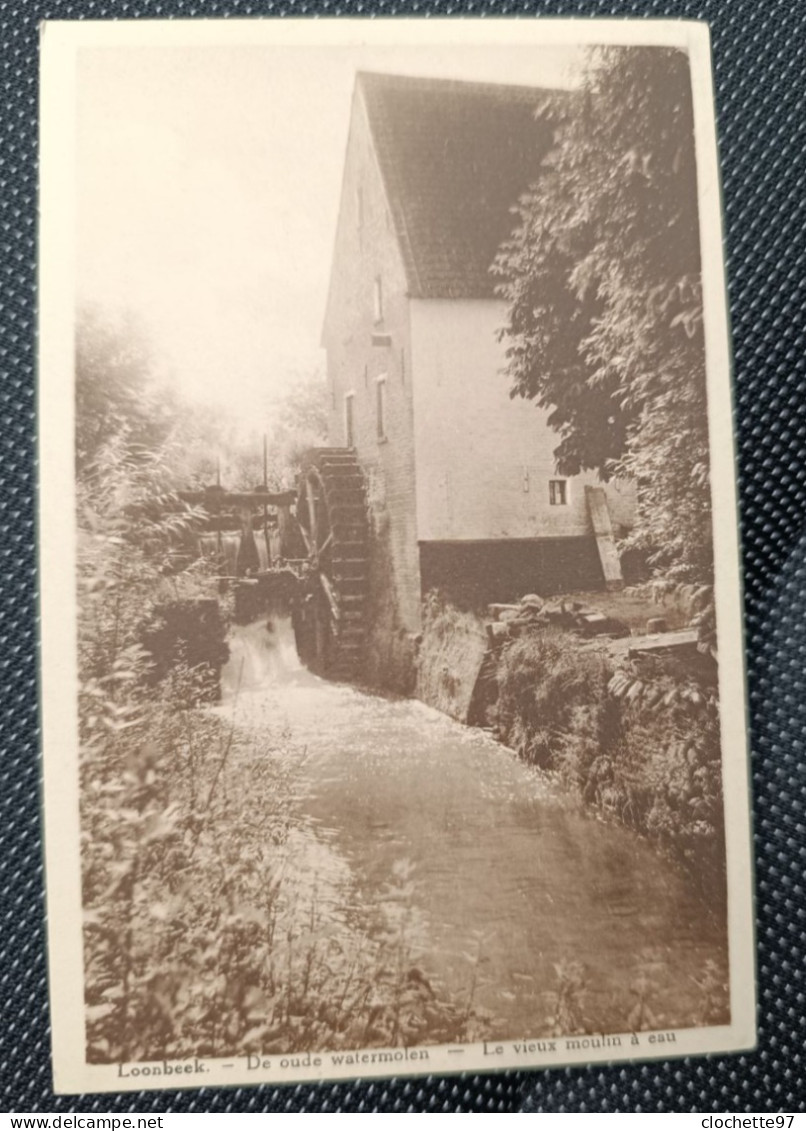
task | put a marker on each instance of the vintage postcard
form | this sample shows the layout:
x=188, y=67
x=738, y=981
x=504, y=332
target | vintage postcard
x=392, y=670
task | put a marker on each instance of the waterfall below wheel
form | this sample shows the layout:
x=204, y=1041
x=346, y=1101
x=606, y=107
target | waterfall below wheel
x=311, y=563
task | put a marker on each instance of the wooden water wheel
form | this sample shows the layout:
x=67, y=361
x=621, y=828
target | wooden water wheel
x=331, y=610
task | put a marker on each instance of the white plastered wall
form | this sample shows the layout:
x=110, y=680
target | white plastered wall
x=483, y=460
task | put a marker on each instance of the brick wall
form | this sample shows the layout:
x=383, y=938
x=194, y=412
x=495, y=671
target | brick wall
x=367, y=338
x=483, y=461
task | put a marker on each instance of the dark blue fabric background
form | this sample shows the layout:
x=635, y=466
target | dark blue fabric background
x=760, y=59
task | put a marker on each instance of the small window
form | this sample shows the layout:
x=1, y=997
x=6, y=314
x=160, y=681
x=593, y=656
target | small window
x=380, y=407
x=359, y=209
x=558, y=492
x=377, y=300
x=349, y=420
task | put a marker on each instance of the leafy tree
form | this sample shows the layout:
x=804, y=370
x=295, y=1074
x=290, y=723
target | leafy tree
x=296, y=421
x=301, y=417
x=602, y=280
x=304, y=407
x=114, y=388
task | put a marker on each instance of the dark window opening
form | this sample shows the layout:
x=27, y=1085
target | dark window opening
x=349, y=421
x=359, y=208
x=558, y=492
x=380, y=407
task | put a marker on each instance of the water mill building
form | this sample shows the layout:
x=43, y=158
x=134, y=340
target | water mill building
x=461, y=482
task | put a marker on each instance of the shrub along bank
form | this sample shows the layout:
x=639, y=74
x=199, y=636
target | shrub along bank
x=207, y=927
x=635, y=737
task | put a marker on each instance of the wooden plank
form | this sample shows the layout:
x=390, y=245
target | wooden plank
x=657, y=642
x=330, y=593
x=599, y=512
x=214, y=499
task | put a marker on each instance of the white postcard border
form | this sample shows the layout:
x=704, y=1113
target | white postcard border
x=61, y=40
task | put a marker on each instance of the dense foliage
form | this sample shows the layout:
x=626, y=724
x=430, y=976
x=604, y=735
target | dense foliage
x=602, y=281
x=116, y=394
x=299, y=421
x=605, y=333
x=205, y=931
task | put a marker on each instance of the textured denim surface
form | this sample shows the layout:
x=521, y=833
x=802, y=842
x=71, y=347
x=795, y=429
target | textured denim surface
x=760, y=62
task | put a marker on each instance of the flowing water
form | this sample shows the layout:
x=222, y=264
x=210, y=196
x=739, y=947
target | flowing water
x=509, y=881
x=224, y=549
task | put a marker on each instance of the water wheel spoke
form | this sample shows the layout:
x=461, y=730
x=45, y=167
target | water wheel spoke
x=331, y=597
x=305, y=538
x=312, y=516
x=332, y=515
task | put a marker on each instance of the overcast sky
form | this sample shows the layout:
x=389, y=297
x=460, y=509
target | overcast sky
x=208, y=185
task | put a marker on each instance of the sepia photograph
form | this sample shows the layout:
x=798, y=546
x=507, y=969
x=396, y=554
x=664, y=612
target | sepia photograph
x=393, y=693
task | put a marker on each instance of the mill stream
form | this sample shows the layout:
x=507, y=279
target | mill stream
x=509, y=881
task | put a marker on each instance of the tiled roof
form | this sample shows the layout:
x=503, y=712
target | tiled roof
x=455, y=157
